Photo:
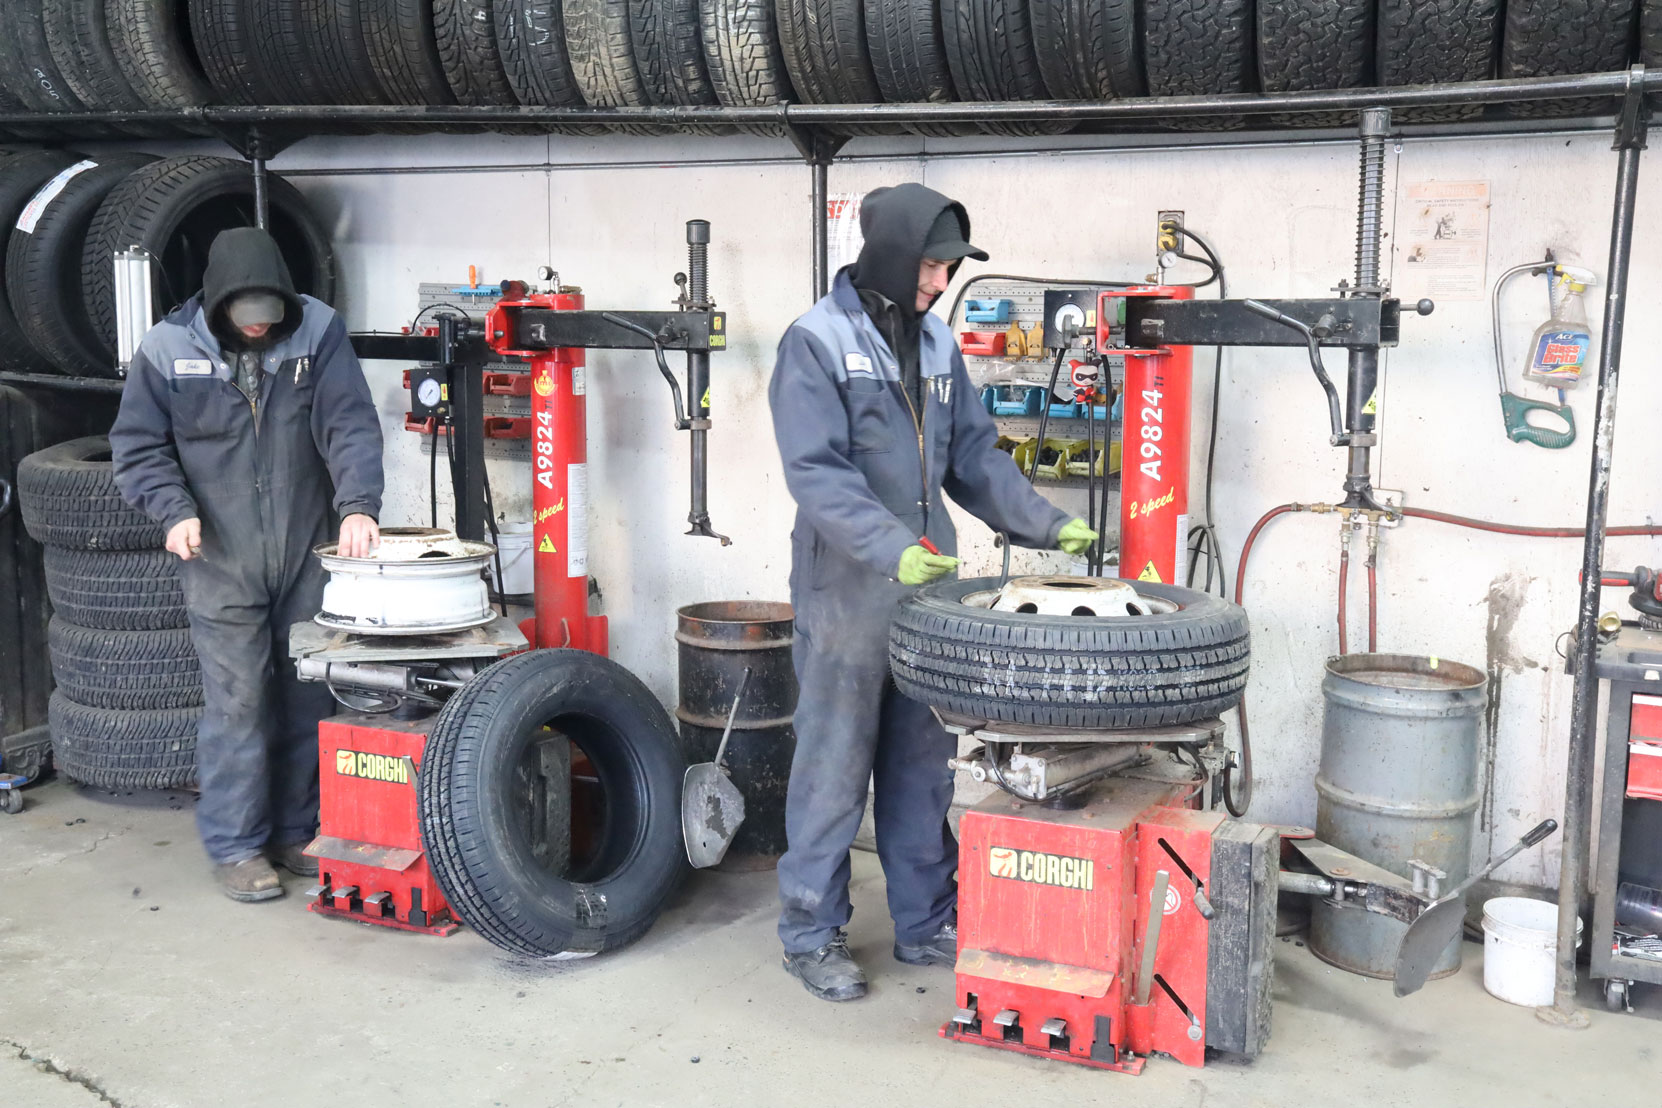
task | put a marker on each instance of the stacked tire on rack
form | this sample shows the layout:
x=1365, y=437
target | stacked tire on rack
x=129, y=687
x=123, y=55
x=68, y=214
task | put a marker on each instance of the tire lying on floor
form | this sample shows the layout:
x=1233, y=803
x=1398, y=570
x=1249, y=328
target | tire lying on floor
x=495, y=802
x=153, y=749
x=948, y=650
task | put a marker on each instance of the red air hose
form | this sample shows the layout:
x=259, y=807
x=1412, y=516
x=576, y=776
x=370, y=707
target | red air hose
x=1373, y=607
x=1229, y=798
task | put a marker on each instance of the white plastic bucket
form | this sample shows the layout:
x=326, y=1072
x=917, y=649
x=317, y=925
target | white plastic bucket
x=1520, y=948
x=514, y=541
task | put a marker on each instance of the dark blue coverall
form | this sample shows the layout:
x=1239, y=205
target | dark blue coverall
x=867, y=469
x=269, y=480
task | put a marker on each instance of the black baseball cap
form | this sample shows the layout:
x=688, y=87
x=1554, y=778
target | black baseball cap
x=947, y=242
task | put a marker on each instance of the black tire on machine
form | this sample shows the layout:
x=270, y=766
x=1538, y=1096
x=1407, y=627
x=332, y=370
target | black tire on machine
x=716, y=643
x=490, y=816
x=1124, y=671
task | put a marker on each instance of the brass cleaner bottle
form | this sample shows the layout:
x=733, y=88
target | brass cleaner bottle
x=1563, y=343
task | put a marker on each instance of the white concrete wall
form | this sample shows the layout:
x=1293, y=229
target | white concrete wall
x=1283, y=219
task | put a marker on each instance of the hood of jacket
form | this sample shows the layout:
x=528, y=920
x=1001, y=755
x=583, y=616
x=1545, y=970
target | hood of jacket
x=246, y=259
x=895, y=222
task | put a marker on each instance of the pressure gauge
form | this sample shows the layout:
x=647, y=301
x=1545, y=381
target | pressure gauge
x=429, y=398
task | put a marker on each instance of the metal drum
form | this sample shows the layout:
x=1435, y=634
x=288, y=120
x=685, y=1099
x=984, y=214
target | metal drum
x=716, y=642
x=1398, y=781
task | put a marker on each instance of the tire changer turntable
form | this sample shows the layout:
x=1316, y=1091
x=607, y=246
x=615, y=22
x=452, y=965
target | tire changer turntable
x=1108, y=907
x=404, y=630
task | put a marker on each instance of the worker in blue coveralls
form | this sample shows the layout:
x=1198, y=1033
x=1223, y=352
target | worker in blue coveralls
x=246, y=428
x=875, y=418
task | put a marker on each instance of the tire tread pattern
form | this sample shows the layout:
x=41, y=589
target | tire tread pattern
x=1122, y=672
x=113, y=749
x=125, y=670
x=70, y=502
x=116, y=590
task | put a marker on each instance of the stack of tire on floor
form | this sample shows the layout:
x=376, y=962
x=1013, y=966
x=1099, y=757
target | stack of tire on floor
x=115, y=55
x=129, y=687
x=68, y=214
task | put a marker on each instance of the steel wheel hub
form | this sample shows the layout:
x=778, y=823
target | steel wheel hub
x=1096, y=597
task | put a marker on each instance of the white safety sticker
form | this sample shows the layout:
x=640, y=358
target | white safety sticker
x=579, y=380
x=858, y=365
x=192, y=367
x=48, y=192
x=577, y=519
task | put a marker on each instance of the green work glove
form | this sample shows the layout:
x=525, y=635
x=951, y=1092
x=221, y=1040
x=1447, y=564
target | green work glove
x=919, y=567
x=1075, y=537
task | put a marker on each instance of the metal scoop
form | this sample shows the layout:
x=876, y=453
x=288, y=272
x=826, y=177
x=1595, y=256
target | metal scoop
x=711, y=805
x=1429, y=935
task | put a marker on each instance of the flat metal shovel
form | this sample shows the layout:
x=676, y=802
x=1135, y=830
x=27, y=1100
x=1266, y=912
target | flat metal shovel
x=1429, y=935
x=712, y=807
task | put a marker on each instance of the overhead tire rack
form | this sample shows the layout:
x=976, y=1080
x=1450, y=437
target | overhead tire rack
x=819, y=132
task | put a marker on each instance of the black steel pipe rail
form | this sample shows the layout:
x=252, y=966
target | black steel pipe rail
x=1613, y=86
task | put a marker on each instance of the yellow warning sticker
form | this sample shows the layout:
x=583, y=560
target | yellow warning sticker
x=1372, y=406
x=705, y=403
x=546, y=546
x=1149, y=573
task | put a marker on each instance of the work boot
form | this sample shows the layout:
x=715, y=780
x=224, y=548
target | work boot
x=248, y=880
x=293, y=857
x=830, y=973
x=939, y=949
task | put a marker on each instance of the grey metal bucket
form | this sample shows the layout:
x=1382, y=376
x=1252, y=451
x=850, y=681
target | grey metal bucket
x=1398, y=781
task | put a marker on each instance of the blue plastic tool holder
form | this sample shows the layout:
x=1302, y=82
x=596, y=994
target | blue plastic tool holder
x=986, y=311
x=1028, y=400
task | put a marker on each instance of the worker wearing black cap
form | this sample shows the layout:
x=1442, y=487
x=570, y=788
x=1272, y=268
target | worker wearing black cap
x=875, y=418
x=246, y=429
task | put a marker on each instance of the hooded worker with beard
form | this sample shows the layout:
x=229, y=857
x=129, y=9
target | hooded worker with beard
x=876, y=418
x=246, y=431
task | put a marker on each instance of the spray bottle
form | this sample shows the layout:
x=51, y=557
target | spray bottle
x=1562, y=344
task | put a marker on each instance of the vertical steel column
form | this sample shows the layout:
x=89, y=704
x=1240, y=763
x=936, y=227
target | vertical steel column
x=1572, y=876
x=698, y=377
x=820, y=164
x=262, y=199
x=1364, y=362
x=466, y=431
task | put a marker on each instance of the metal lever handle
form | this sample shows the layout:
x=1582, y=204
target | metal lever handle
x=1536, y=834
x=1313, y=343
x=5, y=496
x=1151, y=937
x=732, y=715
x=682, y=423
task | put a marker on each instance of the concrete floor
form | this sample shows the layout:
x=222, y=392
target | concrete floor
x=126, y=979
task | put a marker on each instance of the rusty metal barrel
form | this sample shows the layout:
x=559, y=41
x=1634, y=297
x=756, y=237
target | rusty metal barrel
x=1398, y=782
x=716, y=642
